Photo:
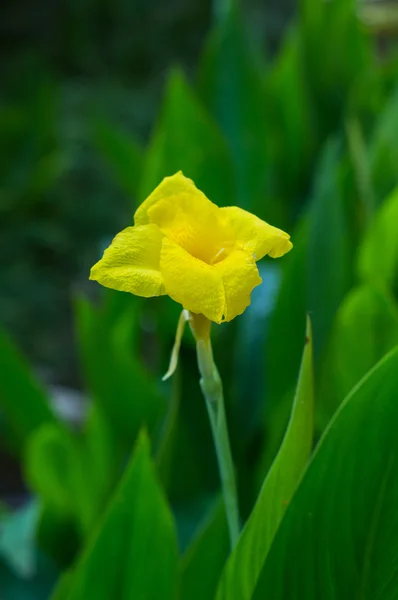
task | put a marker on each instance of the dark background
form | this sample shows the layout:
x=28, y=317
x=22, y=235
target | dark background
x=63, y=63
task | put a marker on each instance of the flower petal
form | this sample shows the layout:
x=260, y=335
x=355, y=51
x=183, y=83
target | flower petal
x=257, y=235
x=239, y=275
x=188, y=218
x=169, y=187
x=131, y=263
x=191, y=282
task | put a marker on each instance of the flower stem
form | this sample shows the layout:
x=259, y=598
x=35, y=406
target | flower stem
x=212, y=390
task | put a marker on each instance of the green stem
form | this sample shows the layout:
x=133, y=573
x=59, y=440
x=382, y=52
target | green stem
x=212, y=390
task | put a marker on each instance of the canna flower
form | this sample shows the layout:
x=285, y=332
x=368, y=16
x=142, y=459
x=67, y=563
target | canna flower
x=202, y=256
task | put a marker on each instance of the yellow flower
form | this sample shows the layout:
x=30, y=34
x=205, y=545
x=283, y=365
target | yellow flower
x=183, y=245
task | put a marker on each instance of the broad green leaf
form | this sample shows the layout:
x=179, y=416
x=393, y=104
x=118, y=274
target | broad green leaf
x=247, y=559
x=383, y=149
x=203, y=561
x=378, y=253
x=118, y=381
x=365, y=329
x=329, y=247
x=186, y=139
x=231, y=84
x=122, y=153
x=133, y=554
x=339, y=537
x=22, y=399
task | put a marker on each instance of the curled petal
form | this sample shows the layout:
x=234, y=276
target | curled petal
x=239, y=275
x=169, y=187
x=257, y=235
x=191, y=282
x=131, y=263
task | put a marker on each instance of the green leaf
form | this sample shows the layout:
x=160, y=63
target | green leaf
x=339, y=537
x=367, y=314
x=329, y=251
x=246, y=561
x=187, y=139
x=231, y=84
x=119, y=383
x=383, y=149
x=378, y=253
x=22, y=399
x=122, y=153
x=203, y=561
x=134, y=552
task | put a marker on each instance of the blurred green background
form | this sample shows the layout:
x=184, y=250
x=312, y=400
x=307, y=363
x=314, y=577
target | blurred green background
x=288, y=109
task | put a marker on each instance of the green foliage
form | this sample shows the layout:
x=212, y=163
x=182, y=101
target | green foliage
x=124, y=391
x=23, y=401
x=186, y=139
x=247, y=559
x=369, y=315
x=339, y=536
x=378, y=253
x=57, y=468
x=329, y=247
x=122, y=153
x=336, y=53
x=283, y=360
x=291, y=125
x=307, y=142
x=206, y=554
x=383, y=149
x=232, y=86
x=135, y=543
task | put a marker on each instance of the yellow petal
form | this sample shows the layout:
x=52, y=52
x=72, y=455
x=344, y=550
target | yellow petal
x=257, y=235
x=188, y=218
x=239, y=275
x=167, y=188
x=191, y=282
x=131, y=263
